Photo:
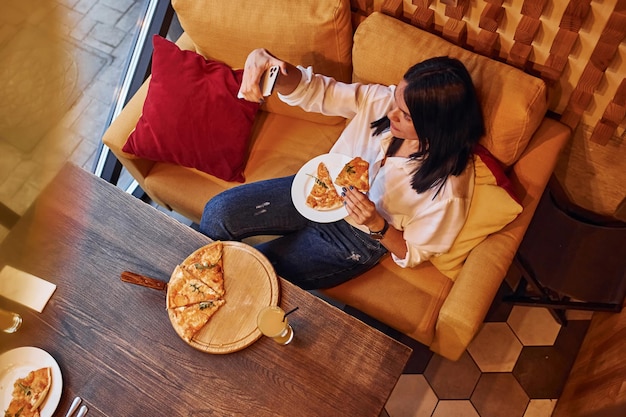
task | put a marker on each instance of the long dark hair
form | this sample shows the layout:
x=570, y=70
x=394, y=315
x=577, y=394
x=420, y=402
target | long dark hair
x=447, y=117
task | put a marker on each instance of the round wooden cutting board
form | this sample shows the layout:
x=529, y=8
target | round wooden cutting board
x=250, y=283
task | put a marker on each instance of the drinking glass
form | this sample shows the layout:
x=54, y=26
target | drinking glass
x=9, y=321
x=273, y=323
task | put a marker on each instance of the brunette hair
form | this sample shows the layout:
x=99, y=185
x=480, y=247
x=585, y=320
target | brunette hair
x=447, y=117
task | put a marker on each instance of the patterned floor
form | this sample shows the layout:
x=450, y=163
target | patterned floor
x=516, y=366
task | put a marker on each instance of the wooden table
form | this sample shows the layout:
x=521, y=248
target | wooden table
x=117, y=349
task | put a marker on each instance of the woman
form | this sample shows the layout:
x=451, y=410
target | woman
x=418, y=139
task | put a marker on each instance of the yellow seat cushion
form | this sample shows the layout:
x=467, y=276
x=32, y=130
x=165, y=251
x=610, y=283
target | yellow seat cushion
x=280, y=145
x=408, y=299
x=513, y=102
x=316, y=33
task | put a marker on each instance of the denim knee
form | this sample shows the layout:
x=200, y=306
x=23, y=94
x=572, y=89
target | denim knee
x=214, y=219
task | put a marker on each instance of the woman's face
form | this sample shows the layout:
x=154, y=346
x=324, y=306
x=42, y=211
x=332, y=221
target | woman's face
x=401, y=122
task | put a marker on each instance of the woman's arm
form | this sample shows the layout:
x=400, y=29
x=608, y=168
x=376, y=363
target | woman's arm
x=259, y=61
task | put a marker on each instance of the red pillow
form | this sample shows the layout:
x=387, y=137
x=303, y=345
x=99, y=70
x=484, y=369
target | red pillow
x=192, y=116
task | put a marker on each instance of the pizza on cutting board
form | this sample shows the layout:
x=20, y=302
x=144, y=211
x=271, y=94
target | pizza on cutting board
x=196, y=290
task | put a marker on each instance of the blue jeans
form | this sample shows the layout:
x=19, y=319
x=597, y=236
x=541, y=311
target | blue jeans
x=309, y=254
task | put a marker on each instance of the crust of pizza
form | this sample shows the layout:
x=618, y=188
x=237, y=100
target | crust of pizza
x=192, y=318
x=206, y=264
x=323, y=195
x=29, y=393
x=355, y=173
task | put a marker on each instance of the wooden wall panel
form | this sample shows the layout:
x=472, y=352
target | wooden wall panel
x=577, y=46
x=500, y=30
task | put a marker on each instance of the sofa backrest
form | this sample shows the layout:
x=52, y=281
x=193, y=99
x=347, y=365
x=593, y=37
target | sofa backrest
x=514, y=103
x=316, y=33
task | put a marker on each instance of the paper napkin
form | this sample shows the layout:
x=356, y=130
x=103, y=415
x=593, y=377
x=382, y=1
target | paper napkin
x=25, y=288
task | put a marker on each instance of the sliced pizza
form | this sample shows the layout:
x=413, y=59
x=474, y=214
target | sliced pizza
x=21, y=408
x=323, y=195
x=196, y=290
x=29, y=393
x=355, y=173
x=192, y=318
x=206, y=264
x=185, y=289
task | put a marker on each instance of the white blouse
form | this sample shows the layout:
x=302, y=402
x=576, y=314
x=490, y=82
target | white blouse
x=429, y=222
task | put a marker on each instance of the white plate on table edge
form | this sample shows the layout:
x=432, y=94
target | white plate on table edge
x=303, y=183
x=17, y=363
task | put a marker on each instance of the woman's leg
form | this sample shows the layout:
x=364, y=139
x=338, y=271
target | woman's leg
x=260, y=208
x=322, y=255
x=311, y=255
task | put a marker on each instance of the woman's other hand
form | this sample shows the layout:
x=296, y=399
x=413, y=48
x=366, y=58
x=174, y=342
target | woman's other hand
x=362, y=209
x=259, y=61
x=363, y=212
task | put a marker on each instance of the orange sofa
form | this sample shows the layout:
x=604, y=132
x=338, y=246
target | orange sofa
x=438, y=303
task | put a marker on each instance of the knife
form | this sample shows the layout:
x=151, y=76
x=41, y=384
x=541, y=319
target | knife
x=143, y=280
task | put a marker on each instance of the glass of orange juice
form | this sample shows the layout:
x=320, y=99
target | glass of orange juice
x=9, y=321
x=273, y=323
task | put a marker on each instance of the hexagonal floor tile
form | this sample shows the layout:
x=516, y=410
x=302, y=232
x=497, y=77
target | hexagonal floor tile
x=542, y=371
x=457, y=408
x=412, y=397
x=540, y=408
x=498, y=395
x=495, y=348
x=452, y=380
x=534, y=326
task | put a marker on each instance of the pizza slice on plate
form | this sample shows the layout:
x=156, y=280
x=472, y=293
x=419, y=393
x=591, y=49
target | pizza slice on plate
x=207, y=265
x=29, y=393
x=323, y=195
x=21, y=408
x=355, y=173
x=192, y=318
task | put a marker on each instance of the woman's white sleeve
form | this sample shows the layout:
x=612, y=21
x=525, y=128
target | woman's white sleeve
x=321, y=94
x=433, y=232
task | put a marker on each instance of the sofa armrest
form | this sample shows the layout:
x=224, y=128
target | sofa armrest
x=121, y=127
x=462, y=313
x=466, y=306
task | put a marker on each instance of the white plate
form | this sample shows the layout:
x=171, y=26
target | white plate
x=17, y=363
x=303, y=182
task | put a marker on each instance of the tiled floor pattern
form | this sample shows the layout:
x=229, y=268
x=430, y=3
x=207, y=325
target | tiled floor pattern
x=516, y=366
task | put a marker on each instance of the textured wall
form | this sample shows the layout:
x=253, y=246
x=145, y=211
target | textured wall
x=576, y=46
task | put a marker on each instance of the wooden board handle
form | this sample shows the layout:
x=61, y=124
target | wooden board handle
x=142, y=280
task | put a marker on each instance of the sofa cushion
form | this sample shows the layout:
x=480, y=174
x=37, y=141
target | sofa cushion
x=280, y=145
x=316, y=33
x=514, y=103
x=407, y=299
x=493, y=206
x=191, y=115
